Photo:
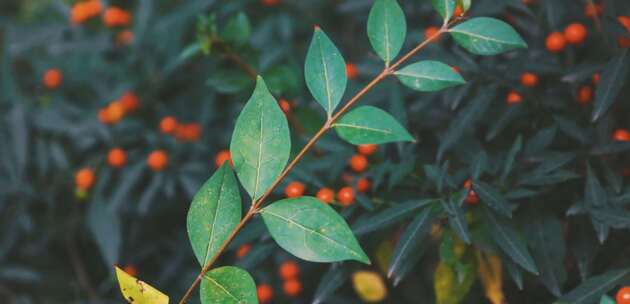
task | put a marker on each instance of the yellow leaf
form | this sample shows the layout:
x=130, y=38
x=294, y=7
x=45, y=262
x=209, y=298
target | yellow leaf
x=369, y=286
x=383, y=254
x=490, y=272
x=138, y=292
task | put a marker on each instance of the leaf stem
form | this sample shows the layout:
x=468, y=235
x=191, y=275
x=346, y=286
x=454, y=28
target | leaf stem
x=387, y=71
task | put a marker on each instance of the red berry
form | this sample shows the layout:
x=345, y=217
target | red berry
x=292, y=287
x=345, y=196
x=621, y=135
x=575, y=33
x=529, y=79
x=264, y=293
x=289, y=270
x=555, y=42
x=358, y=163
x=623, y=295
x=326, y=195
x=294, y=189
x=368, y=149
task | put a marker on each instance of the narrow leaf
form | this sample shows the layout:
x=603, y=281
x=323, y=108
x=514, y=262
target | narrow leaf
x=456, y=218
x=325, y=71
x=138, y=292
x=429, y=76
x=227, y=285
x=386, y=29
x=213, y=214
x=444, y=7
x=510, y=241
x=613, y=79
x=592, y=289
x=594, y=193
x=104, y=225
x=388, y=217
x=549, y=252
x=407, y=251
x=261, y=142
x=487, y=36
x=370, y=125
x=312, y=231
x=511, y=157
x=492, y=198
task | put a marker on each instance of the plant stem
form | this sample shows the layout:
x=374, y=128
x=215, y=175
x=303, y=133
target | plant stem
x=387, y=71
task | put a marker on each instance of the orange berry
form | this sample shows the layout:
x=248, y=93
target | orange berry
x=593, y=10
x=294, y=189
x=555, y=42
x=596, y=78
x=458, y=12
x=431, y=31
x=575, y=33
x=264, y=293
x=326, y=195
x=130, y=101
x=124, y=37
x=157, y=160
x=292, y=287
x=352, y=71
x=84, y=178
x=116, y=16
x=513, y=98
x=345, y=196
x=585, y=94
x=270, y=2
x=131, y=270
x=472, y=198
x=117, y=157
x=222, y=157
x=363, y=185
x=114, y=112
x=368, y=149
x=625, y=21
x=529, y=79
x=623, y=295
x=468, y=184
x=285, y=105
x=82, y=11
x=52, y=78
x=289, y=270
x=243, y=250
x=168, y=125
x=188, y=132
x=621, y=135
x=358, y=163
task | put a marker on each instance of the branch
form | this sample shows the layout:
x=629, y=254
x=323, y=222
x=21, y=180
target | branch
x=387, y=71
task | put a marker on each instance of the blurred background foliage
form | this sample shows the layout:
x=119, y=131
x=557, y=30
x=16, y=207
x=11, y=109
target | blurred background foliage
x=193, y=60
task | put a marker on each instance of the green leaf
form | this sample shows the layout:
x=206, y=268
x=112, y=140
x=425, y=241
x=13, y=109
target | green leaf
x=229, y=284
x=592, y=289
x=138, y=292
x=549, y=252
x=330, y=282
x=325, y=71
x=370, y=125
x=237, y=30
x=312, y=231
x=487, y=36
x=511, y=242
x=511, y=157
x=429, y=76
x=407, y=251
x=479, y=165
x=613, y=79
x=213, y=214
x=492, y=198
x=456, y=218
x=261, y=142
x=465, y=4
x=607, y=300
x=594, y=193
x=104, y=225
x=388, y=217
x=386, y=29
x=444, y=7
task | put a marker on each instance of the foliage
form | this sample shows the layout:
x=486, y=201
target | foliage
x=500, y=166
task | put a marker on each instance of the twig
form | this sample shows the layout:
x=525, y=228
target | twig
x=387, y=71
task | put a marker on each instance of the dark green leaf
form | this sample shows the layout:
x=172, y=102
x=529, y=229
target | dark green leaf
x=592, y=289
x=612, y=81
x=226, y=285
x=511, y=156
x=105, y=228
x=386, y=29
x=487, y=36
x=549, y=252
x=511, y=242
x=261, y=142
x=213, y=214
x=456, y=218
x=237, y=30
x=492, y=198
x=312, y=231
x=407, y=251
x=332, y=280
x=479, y=165
x=370, y=125
x=594, y=193
x=325, y=71
x=388, y=217
x=429, y=76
